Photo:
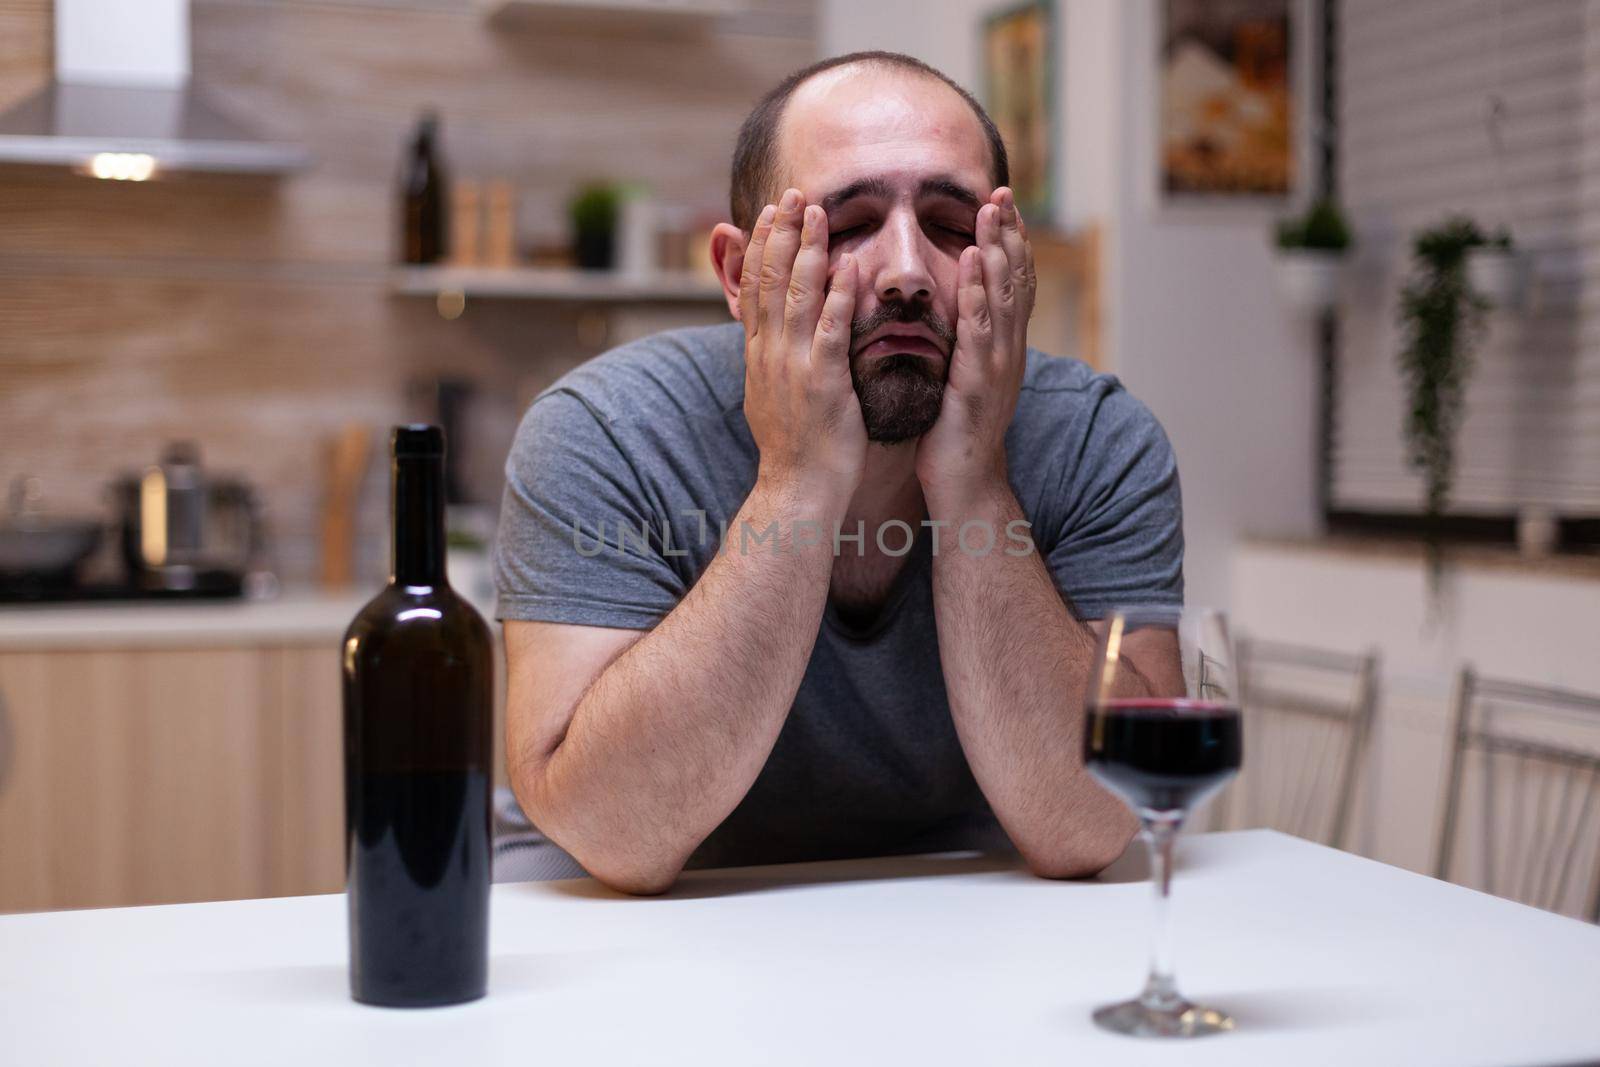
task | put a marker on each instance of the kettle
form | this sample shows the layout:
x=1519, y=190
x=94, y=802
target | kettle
x=184, y=531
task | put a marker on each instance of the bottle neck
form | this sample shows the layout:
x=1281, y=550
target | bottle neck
x=419, y=540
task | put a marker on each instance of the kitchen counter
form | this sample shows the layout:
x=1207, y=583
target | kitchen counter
x=1504, y=559
x=293, y=617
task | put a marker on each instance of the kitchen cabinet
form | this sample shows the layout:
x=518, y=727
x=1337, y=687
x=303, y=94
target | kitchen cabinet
x=183, y=766
x=161, y=775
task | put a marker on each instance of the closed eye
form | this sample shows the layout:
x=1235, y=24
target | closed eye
x=954, y=232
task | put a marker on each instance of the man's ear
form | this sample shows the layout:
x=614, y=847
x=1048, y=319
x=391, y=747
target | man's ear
x=727, y=257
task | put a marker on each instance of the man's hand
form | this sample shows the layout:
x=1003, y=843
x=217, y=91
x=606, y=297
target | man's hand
x=798, y=396
x=964, y=453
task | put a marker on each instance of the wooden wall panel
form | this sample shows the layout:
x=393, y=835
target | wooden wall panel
x=229, y=226
x=26, y=39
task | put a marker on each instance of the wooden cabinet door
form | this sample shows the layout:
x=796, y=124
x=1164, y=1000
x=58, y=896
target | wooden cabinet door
x=160, y=775
x=303, y=753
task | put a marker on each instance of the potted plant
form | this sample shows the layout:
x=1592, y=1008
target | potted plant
x=1310, y=260
x=1441, y=319
x=594, y=225
x=1494, y=270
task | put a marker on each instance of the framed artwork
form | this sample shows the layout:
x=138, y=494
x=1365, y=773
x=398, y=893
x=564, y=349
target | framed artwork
x=1231, y=89
x=1019, y=93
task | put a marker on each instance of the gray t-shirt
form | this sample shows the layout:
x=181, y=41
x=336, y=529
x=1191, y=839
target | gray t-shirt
x=647, y=446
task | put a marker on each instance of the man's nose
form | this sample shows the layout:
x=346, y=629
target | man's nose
x=903, y=273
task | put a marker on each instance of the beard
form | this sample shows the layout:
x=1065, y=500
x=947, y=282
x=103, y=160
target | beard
x=900, y=393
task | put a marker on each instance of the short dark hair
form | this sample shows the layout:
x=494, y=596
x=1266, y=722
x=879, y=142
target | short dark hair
x=755, y=156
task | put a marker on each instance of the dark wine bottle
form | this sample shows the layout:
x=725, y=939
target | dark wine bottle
x=424, y=193
x=418, y=740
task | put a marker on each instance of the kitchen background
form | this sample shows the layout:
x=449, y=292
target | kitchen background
x=257, y=316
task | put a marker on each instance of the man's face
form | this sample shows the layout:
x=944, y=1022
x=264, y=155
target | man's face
x=901, y=165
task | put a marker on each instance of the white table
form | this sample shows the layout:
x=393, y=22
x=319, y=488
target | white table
x=1323, y=958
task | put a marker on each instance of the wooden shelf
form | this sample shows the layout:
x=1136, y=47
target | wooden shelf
x=605, y=14
x=556, y=285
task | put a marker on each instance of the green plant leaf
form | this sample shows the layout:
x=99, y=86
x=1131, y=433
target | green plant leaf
x=1322, y=228
x=594, y=209
x=1442, y=321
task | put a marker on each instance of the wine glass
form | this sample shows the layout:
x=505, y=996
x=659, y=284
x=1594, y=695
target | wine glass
x=1162, y=732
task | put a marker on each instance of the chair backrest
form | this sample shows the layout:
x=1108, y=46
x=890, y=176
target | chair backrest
x=1307, y=715
x=1522, y=799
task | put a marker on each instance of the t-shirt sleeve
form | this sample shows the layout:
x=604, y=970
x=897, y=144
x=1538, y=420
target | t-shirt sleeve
x=1121, y=542
x=577, y=541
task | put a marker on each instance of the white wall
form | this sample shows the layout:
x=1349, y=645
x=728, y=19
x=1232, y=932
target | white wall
x=942, y=33
x=1193, y=325
x=1202, y=338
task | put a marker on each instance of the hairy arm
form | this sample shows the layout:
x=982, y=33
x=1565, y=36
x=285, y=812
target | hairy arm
x=1016, y=666
x=666, y=740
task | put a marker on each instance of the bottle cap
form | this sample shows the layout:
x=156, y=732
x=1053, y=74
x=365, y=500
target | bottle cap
x=417, y=439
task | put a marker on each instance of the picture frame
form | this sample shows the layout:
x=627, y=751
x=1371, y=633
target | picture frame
x=1234, y=85
x=1019, y=54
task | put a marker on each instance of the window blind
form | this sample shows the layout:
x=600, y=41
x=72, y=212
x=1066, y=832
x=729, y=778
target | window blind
x=1417, y=142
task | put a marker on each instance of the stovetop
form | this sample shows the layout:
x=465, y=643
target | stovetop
x=209, y=585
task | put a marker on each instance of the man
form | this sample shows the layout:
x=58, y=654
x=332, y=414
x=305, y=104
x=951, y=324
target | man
x=730, y=632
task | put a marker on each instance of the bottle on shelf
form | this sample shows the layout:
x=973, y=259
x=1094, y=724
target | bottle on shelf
x=424, y=196
x=418, y=744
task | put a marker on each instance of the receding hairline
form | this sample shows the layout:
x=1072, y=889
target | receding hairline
x=841, y=73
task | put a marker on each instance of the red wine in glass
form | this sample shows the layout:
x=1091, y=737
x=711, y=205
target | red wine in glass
x=1162, y=754
x=1162, y=732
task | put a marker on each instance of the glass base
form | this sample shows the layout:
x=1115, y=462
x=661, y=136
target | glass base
x=1179, y=1019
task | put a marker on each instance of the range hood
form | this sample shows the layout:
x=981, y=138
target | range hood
x=122, y=105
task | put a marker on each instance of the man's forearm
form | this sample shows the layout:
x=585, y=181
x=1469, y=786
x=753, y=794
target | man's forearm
x=670, y=737
x=1015, y=665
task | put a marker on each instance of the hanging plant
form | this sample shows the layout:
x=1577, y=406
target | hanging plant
x=1442, y=319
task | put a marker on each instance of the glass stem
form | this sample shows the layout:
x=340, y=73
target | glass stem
x=1161, y=988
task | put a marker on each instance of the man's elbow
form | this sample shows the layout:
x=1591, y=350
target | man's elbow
x=1082, y=862
x=634, y=879
x=624, y=872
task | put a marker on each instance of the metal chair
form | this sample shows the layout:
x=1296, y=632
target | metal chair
x=1535, y=783
x=1307, y=715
